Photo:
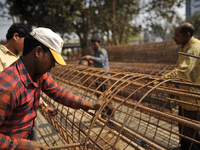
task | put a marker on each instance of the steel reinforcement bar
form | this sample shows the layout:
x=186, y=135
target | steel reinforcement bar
x=138, y=111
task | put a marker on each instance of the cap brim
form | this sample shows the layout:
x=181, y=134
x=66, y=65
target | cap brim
x=57, y=57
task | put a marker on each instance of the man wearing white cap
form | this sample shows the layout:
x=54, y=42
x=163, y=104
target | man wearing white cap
x=21, y=84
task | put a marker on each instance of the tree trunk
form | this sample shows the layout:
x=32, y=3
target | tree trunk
x=123, y=30
x=113, y=19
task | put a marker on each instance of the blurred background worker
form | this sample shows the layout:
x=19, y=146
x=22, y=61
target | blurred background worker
x=10, y=51
x=100, y=60
x=100, y=56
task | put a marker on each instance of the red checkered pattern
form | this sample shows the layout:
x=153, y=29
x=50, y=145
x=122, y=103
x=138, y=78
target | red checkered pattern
x=19, y=100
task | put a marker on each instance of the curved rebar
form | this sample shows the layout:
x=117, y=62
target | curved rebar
x=139, y=111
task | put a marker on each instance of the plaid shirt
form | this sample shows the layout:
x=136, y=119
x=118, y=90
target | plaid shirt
x=19, y=100
x=188, y=68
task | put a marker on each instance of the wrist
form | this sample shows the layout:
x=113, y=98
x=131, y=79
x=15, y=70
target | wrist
x=43, y=107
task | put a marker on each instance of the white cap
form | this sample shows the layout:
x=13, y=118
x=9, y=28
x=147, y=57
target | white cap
x=51, y=40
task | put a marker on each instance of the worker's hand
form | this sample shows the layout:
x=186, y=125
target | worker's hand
x=100, y=101
x=37, y=146
x=51, y=111
x=94, y=106
x=88, y=57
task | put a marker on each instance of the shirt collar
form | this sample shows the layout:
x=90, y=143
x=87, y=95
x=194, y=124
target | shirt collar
x=24, y=75
x=5, y=50
x=189, y=43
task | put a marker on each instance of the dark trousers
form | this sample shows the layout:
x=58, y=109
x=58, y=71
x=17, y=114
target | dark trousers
x=187, y=144
x=109, y=108
x=102, y=88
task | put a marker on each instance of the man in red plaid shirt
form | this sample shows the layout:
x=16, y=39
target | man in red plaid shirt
x=21, y=84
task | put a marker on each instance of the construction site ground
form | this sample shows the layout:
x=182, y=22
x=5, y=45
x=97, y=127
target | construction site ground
x=46, y=134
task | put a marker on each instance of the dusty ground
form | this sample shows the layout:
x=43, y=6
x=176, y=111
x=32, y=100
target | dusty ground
x=47, y=135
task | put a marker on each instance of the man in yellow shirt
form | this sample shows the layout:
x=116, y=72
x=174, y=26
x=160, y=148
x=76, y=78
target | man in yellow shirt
x=10, y=52
x=187, y=68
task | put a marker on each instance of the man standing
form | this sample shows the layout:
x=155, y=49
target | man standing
x=9, y=52
x=187, y=68
x=21, y=84
x=100, y=57
x=100, y=60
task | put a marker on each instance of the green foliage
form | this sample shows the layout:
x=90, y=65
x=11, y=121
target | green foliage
x=162, y=16
x=195, y=21
x=47, y=13
x=4, y=10
x=114, y=19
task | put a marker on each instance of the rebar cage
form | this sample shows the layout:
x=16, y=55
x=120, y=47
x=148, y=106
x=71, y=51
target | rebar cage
x=138, y=111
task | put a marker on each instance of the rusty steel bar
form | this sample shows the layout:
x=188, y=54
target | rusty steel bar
x=65, y=146
x=144, y=68
x=139, y=111
x=182, y=53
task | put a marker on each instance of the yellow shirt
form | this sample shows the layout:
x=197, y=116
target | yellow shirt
x=188, y=68
x=6, y=57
